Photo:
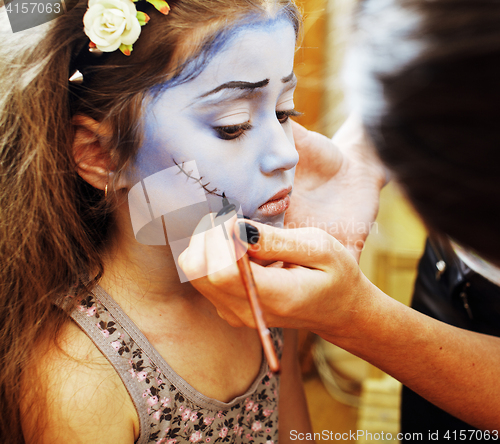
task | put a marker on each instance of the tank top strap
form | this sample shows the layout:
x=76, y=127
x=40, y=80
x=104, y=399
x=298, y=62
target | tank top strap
x=111, y=336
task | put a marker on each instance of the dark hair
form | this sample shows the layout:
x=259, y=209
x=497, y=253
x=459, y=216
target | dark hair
x=427, y=83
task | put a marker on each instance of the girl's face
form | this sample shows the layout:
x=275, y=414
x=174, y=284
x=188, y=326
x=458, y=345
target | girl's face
x=233, y=121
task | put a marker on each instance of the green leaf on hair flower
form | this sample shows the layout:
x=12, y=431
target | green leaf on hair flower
x=126, y=49
x=161, y=5
x=142, y=17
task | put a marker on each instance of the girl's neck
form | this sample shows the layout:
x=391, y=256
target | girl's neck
x=142, y=275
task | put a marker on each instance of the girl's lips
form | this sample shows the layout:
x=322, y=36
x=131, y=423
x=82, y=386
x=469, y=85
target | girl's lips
x=275, y=207
x=278, y=204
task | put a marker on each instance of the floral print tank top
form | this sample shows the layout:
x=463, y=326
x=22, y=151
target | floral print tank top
x=170, y=410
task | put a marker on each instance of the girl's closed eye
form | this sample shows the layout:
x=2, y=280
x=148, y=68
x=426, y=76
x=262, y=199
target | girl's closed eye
x=283, y=116
x=231, y=132
x=232, y=123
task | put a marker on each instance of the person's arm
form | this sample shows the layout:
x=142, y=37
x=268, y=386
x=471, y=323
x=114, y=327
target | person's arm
x=294, y=422
x=321, y=288
x=455, y=369
x=76, y=397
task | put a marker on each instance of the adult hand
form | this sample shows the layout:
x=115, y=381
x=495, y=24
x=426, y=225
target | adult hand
x=337, y=184
x=316, y=285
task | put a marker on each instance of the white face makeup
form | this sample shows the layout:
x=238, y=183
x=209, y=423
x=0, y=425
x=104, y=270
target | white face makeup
x=232, y=119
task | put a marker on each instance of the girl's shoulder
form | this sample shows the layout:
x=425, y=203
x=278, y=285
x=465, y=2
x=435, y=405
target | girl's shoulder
x=76, y=394
x=103, y=351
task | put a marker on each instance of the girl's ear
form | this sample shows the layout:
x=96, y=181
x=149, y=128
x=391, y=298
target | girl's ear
x=91, y=148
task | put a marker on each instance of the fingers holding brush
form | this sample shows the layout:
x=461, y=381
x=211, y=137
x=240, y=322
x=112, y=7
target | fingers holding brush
x=316, y=271
x=210, y=264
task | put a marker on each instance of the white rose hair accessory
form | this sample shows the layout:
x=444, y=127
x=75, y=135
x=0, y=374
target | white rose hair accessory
x=116, y=24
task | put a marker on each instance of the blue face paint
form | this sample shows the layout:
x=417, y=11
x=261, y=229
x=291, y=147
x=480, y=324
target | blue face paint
x=193, y=68
x=232, y=120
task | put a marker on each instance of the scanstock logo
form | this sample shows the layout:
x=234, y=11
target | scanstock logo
x=26, y=14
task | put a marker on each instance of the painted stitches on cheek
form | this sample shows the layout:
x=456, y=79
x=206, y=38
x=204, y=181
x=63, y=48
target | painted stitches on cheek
x=189, y=175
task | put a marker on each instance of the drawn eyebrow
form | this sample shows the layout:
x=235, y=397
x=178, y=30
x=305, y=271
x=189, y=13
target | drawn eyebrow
x=236, y=85
x=288, y=78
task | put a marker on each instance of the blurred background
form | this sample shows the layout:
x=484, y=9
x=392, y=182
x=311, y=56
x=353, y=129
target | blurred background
x=345, y=393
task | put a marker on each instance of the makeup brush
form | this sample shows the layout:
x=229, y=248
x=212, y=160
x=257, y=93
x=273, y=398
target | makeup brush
x=253, y=298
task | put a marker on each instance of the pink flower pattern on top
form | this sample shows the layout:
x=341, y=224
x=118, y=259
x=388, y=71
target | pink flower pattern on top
x=174, y=416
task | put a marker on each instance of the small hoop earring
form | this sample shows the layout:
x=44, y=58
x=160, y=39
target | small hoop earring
x=106, y=187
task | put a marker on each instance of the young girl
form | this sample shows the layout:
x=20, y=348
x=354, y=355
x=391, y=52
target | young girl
x=100, y=340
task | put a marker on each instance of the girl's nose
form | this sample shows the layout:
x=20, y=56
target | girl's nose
x=278, y=149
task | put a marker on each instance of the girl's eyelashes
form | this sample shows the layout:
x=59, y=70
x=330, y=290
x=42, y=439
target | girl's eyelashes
x=231, y=132
x=284, y=115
